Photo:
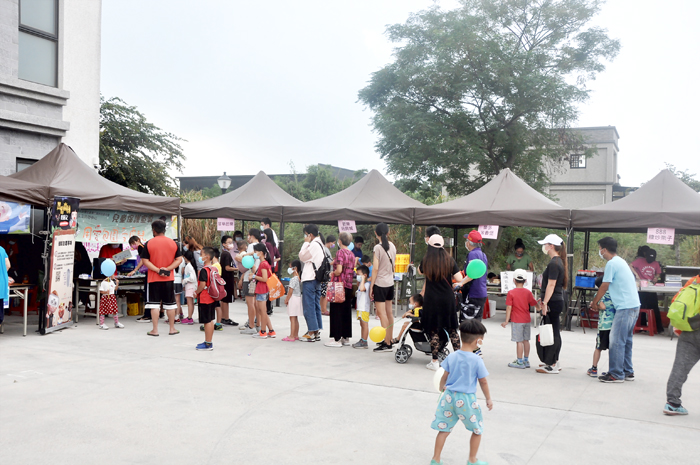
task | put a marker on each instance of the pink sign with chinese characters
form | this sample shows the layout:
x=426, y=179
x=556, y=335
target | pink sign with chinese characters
x=347, y=226
x=661, y=236
x=225, y=224
x=488, y=231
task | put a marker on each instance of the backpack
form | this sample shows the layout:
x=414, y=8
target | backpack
x=323, y=272
x=684, y=312
x=215, y=289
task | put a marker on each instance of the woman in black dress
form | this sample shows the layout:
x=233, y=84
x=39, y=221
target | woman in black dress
x=439, y=308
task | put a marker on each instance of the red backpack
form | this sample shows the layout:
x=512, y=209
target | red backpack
x=215, y=288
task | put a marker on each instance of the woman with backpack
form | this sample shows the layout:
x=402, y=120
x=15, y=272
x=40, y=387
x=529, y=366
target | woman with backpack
x=315, y=264
x=382, y=287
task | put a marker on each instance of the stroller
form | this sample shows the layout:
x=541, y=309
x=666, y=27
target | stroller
x=465, y=310
x=420, y=341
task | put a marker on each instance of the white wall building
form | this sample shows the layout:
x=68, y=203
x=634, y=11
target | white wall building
x=49, y=79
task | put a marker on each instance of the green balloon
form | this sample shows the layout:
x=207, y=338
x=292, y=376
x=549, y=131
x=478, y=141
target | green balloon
x=476, y=269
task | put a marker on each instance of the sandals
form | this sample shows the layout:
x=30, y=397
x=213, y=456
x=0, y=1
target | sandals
x=150, y=334
x=172, y=334
x=395, y=341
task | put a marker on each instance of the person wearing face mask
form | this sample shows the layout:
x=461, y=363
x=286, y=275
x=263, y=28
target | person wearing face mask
x=645, y=267
x=619, y=281
x=554, y=279
x=110, y=250
x=519, y=260
x=311, y=256
x=228, y=268
x=329, y=244
x=475, y=293
x=266, y=223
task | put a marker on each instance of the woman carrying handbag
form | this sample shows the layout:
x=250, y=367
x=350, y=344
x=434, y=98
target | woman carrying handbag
x=339, y=294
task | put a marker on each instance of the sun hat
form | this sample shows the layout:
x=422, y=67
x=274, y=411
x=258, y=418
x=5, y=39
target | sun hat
x=551, y=239
x=436, y=241
x=474, y=236
x=520, y=275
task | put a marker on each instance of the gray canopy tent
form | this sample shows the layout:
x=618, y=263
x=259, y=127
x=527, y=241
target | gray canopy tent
x=258, y=198
x=18, y=191
x=506, y=200
x=64, y=173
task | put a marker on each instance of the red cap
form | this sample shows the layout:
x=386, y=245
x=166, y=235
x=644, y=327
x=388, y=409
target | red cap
x=475, y=237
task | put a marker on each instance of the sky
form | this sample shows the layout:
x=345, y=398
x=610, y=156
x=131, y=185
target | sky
x=258, y=85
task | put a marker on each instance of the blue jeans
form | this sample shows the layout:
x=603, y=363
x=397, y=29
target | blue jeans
x=311, y=301
x=621, y=342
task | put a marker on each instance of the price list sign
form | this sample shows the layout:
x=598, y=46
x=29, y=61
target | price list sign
x=661, y=236
x=347, y=226
x=488, y=231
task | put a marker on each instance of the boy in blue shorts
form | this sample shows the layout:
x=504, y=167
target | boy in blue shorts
x=606, y=314
x=458, y=385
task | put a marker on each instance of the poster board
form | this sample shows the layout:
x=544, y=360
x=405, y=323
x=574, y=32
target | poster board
x=116, y=227
x=59, y=304
x=507, y=281
x=15, y=218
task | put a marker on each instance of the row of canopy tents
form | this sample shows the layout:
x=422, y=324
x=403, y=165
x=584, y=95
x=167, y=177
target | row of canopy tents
x=664, y=201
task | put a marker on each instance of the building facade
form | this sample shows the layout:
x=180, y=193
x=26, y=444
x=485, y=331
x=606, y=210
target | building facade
x=588, y=181
x=49, y=79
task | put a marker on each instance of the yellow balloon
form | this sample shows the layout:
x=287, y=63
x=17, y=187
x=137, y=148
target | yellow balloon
x=377, y=334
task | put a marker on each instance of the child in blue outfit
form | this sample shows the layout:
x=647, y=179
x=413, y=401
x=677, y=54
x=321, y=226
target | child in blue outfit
x=458, y=402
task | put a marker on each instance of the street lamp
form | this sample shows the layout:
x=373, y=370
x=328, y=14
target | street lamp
x=224, y=181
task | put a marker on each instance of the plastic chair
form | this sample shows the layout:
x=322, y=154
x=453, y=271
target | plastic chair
x=651, y=322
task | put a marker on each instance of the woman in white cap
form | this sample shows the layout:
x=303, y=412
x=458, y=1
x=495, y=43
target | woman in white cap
x=554, y=281
x=439, y=307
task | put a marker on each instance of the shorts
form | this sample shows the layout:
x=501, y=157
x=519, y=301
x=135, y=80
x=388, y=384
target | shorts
x=207, y=313
x=249, y=288
x=364, y=316
x=189, y=290
x=519, y=332
x=261, y=297
x=602, y=341
x=294, y=307
x=383, y=294
x=454, y=406
x=324, y=288
x=161, y=292
x=178, y=288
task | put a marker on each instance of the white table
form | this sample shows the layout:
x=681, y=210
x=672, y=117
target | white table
x=667, y=292
x=92, y=286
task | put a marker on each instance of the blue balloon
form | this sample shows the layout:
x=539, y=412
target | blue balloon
x=248, y=261
x=351, y=247
x=108, y=267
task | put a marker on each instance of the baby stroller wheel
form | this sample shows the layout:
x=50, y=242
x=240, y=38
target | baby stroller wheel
x=409, y=349
x=402, y=355
x=442, y=355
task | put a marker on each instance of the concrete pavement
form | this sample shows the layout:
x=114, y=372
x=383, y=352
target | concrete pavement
x=86, y=396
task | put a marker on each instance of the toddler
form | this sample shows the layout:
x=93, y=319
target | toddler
x=189, y=281
x=108, y=302
x=293, y=301
x=606, y=315
x=463, y=369
x=261, y=292
x=363, y=306
x=518, y=302
x=415, y=306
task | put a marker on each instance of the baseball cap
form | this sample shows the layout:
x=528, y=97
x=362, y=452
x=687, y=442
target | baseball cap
x=520, y=275
x=551, y=239
x=436, y=241
x=474, y=236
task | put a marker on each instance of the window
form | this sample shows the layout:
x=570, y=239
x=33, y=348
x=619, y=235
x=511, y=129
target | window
x=577, y=161
x=38, y=41
x=23, y=163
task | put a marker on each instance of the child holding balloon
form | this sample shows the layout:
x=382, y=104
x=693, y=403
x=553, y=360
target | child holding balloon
x=108, y=302
x=462, y=370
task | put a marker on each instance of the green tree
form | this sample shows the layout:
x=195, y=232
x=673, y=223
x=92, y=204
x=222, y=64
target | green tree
x=135, y=153
x=317, y=182
x=493, y=84
x=686, y=176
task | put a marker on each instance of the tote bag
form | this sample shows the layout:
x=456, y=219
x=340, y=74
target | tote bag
x=275, y=287
x=335, y=292
x=546, y=353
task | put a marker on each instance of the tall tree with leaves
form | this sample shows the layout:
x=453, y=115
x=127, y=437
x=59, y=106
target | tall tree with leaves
x=135, y=153
x=493, y=84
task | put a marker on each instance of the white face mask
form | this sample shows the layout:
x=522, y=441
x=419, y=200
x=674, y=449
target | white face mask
x=544, y=249
x=359, y=278
x=290, y=270
x=479, y=343
x=411, y=306
x=115, y=246
x=600, y=252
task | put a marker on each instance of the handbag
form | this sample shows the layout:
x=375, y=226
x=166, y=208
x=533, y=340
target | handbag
x=546, y=353
x=275, y=287
x=546, y=336
x=335, y=292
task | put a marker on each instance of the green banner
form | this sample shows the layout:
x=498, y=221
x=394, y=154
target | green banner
x=116, y=227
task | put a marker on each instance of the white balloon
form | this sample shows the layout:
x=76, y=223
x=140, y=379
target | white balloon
x=437, y=378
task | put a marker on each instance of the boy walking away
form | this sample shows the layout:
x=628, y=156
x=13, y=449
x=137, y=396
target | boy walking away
x=463, y=369
x=207, y=305
x=605, y=320
x=363, y=306
x=518, y=303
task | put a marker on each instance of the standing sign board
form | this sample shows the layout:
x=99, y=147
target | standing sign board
x=59, y=304
x=488, y=231
x=507, y=281
x=661, y=235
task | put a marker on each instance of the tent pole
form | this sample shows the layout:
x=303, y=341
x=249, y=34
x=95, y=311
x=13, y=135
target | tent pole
x=455, y=231
x=412, y=244
x=570, y=258
x=280, y=245
x=586, y=248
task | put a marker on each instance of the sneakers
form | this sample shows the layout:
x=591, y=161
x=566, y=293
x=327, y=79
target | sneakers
x=345, y=341
x=333, y=343
x=517, y=364
x=629, y=377
x=201, y=328
x=103, y=326
x=260, y=335
x=433, y=365
x=478, y=462
x=143, y=319
x=361, y=344
x=249, y=331
x=672, y=411
x=608, y=378
x=229, y=322
x=551, y=370
x=433, y=462
x=218, y=327
x=187, y=321
x=592, y=372
x=383, y=348
x=205, y=346
x=244, y=327
x=271, y=333
x=317, y=337
x=118, y=325
x=527, y=363
x=308, y=338
x=177, y=320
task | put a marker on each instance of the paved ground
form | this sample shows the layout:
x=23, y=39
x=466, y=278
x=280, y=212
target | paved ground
x=85, y=396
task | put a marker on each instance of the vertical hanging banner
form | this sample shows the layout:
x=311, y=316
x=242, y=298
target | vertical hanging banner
x=488, y=231
x=59, y=304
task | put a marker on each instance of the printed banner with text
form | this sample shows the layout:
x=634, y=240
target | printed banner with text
x=14, y=218
x=116, y=227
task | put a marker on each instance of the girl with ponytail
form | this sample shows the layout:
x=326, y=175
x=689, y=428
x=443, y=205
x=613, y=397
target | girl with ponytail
x=554, y=282
x=382, y=285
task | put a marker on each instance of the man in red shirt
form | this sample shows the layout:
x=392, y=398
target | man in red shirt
x=518, y=302
x=161, y=256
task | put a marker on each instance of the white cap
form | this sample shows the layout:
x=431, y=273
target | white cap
x=551, y=239
x=520, y=275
